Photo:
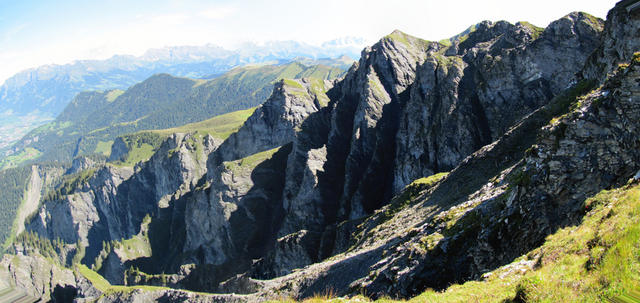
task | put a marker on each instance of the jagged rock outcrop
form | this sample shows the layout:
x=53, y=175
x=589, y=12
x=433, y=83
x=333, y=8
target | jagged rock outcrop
x=274, y=123
x=81, y=163
x=236, y=221
x=44, y=280
x=119, y=150
x=346, y=148
x=74, y=215
x=182, y=158
x=239, y=217
x=292, y=251
x=618, y=43
x=342, y=147
x=337, y=170
x=411, y=107
x=497, y=204
x=228, y=215
x=110, y=202
x=590, y=149
x=500, y=73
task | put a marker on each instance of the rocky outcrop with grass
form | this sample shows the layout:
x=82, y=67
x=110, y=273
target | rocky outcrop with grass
x=467, y=97
x=343, y=187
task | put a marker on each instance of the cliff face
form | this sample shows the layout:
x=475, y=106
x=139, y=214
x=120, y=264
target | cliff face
x=501, y=72
x=458, y=229
x=618, y=43
x=411, y=108
x=275, y=122
x=109, y=203
x=495, y=205
x=336, y=169
x=235, y=219
x=227, y=214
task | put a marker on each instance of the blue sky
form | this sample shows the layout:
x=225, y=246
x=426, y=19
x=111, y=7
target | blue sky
x=34, y=33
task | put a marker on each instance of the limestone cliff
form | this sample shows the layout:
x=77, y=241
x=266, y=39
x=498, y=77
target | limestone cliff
x=340, y=185
x=500, y=73
x=618, y=43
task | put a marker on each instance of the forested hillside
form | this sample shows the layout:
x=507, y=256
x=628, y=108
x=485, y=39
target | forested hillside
x=13, y=184
x=93, y=120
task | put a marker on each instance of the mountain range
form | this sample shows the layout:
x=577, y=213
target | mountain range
x=49, y=88
x=93, y=119
x=501, y=165
x=38, y=95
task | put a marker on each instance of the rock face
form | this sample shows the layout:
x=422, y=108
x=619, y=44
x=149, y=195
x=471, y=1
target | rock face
x=411, y=108
x=41, y=279
x=274, y=123
x=496, y=205
x=224, y=216
x=347, y=170
x=110, y=203
x=119, y=150
x=81, y=163
x=590, y=149
x=618, y=44
x=500, y=73
x=236, y=219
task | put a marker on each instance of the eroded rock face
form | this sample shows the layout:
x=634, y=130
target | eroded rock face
x=274, y=123
x=618, y=44
x=239, y=217
x=229, y=215
x=73, y=216
x=411, y=108
x=343, y=149
x=590, y=149
x=179, y=165
x=351, y=156
x=111, y=203
x=41, y=279
x=119, y=150
x=309, y=173
x=502, y=72
x=497, y=204
x=81, y=163
x=292, y=251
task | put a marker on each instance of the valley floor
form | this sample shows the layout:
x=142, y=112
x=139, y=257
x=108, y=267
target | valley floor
x=12, y=128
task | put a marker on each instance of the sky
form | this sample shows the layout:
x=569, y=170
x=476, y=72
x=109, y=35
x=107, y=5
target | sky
x=34, y=33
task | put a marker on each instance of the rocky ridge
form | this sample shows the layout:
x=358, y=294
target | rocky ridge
x=334, y=174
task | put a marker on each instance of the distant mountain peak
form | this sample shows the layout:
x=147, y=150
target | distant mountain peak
x=347, y=41
x=49, y=88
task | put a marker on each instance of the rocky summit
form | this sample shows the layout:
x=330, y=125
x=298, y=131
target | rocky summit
x=428, y=164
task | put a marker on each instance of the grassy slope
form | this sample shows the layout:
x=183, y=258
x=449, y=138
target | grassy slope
x=594, y=261
x=219, y=127
x=94, y=119
x=24, y=155
x=248, y=163
x=104, y=286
